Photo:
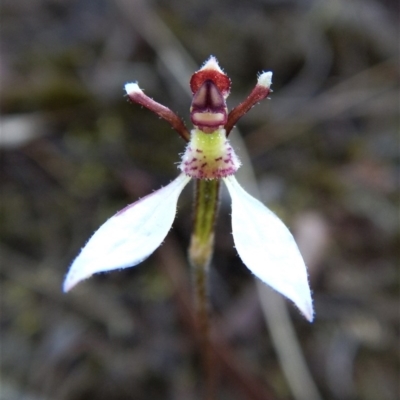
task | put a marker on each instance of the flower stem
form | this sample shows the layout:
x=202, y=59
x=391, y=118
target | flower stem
x=200, y=252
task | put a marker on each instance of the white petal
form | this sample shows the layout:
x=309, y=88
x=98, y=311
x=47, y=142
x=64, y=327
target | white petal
x=267, y=248
x=130, y=236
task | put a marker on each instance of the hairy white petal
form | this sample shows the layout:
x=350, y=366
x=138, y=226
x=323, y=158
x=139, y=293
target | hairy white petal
x=130, y=236
x=267, y=248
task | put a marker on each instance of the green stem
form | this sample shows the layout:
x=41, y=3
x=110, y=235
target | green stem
x=200, y=252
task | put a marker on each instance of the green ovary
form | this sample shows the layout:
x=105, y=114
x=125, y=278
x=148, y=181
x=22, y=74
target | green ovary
x=209, y=156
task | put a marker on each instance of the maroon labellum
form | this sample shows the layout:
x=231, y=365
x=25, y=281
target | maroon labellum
x=208, y=111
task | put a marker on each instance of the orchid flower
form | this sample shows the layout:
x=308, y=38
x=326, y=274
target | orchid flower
x=261, y=239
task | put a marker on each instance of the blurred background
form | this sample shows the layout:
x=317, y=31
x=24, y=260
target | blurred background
x=324, y=151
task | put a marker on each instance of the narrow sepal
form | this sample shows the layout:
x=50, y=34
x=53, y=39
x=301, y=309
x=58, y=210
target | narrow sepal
x=137, y=95
x=130, y=236
x=268, y=249
x=260, y=92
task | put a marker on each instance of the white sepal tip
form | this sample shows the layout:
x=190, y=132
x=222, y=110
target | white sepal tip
x=211, y=63
x=132, y=88
x=265, y=79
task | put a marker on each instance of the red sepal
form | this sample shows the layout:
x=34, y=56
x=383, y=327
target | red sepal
x=211, y=71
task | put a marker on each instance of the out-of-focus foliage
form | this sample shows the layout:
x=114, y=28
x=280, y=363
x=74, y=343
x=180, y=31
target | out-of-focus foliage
x=74, y=151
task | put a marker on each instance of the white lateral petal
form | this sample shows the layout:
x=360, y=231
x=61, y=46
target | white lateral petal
x=267, y=248
x=130, y=236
